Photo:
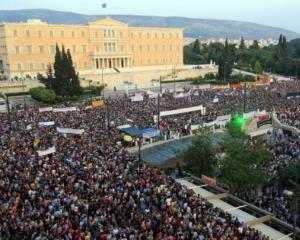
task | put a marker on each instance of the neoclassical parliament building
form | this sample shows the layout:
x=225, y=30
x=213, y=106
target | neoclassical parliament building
x=26, y=48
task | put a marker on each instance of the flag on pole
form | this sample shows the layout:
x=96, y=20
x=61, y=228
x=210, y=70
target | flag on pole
x=103, y=5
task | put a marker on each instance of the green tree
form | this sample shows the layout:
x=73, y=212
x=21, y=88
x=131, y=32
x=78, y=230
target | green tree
x=196, y=47
x=75, y=88
x=242, y=44
x=255, y=44
x=199, y=158
x=257, y=68
x=49, y=79
x=242, y=164
x=226, y=62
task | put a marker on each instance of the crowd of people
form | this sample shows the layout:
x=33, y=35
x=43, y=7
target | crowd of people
x=90, y=187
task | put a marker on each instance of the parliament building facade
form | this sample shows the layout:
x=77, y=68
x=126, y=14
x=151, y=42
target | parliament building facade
x=27, y=48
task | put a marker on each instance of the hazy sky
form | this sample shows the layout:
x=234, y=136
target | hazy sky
x=278, y=13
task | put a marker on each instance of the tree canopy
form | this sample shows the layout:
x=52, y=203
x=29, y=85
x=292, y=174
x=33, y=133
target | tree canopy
x=63, y=79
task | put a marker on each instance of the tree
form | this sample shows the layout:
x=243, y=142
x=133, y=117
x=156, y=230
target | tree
x=242, y=165
x=226, y=62
x=255, y=44
x=75, y=88
x=199, y=158
x=242, y=44
x=196, y=47
x=64, y=81
x=49, y=79
x=257, y=67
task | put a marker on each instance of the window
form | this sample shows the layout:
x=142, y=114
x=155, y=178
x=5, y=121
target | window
x=132, y=48
x=97, y=48
x=62, y=34
x=177, y=48
x=51, y=33
x=122, y=48
x=170, y=47
x=15, y=33
x=74, y=49
x=163, y=35
x=41, y=48
x=121, y=34
x=19, y=66
x=105, y=33
x=27, y=33
x=113, y=47
x=96, y=35
x=82, y=34
x=43, y=66
x=17, y=49
x=177, y=35
x=29, y=49
x=109, y=47
x=83, y=48
x=112, y=33
x=141, y=48
x=155, y=35
x=170, y=35
x=105, y=47
x=132, y=35
x=30, y=66
x=52, y=49
x=73, y=34
x=39, y=33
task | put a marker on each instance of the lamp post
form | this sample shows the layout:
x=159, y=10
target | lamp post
x=23, y=90
x=139, y=141
x=244, y=98
x=158, y=104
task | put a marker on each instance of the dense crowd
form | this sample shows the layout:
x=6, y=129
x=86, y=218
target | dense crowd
x=91, y=188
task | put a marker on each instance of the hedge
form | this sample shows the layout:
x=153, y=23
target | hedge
x=42, y=94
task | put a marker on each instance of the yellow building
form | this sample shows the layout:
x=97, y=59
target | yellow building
x=27, y=48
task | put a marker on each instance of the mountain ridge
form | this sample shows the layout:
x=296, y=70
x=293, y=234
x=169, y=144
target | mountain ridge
x=193, y=27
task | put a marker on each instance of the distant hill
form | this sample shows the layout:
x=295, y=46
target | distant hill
x=193, y=28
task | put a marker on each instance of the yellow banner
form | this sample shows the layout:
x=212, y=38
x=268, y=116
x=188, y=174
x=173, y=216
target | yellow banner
x=97, y=103
x=220, y=87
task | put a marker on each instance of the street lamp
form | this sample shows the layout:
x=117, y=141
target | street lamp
x=139, y=141
x=23, y=89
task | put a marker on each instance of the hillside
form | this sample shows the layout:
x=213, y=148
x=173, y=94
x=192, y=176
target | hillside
x=193, y=28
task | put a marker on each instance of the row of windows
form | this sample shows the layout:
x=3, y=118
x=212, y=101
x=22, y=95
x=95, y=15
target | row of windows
x=154, y=48
x=106, y=34
x=32, y=66
x=51, y=33
x=108, y=47
x=41, y=49
x=155, y=35
x=156, y=61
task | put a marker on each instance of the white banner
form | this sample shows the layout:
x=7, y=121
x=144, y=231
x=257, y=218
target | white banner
x=215, y=100
x=70, y=130
x=137, y=98
x=46, y=109
x=182, y=110
x=43, y=124
x=67, y=109
x=124, y=126
x=46, y=152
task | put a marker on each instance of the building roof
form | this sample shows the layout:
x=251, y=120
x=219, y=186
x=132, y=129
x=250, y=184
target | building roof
x=108, y=21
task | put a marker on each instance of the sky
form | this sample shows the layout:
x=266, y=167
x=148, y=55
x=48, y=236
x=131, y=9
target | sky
x=277, y=13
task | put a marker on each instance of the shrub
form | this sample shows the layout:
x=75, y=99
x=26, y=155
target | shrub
x=42, y=94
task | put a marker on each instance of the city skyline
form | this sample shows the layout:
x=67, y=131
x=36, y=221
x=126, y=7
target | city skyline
x=271, y=13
